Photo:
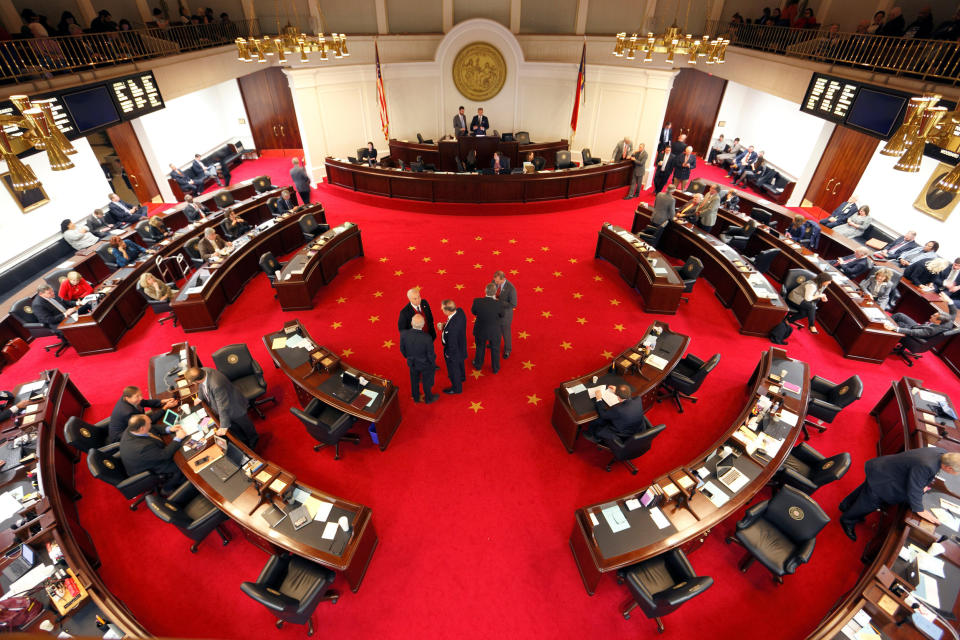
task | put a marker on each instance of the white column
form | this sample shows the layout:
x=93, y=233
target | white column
x=581, y=21
x=716, y=11
x=648, y=12
x=87, y=12
x=823, y=12
x=316, y=18
x=10, y=17
x=146, y=13
x=382, y=25
x=447, y=9
x=515, y=16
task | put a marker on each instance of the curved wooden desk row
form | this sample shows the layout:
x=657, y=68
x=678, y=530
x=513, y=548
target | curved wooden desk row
x=877, y=599
x=53, y=518
x=316, y=265
x=737, y=284
x=314, y=371
x=122, y=305
x=443, y=154
x=472, y=187
x=572, y=410
x=642, y=267
x=690, y=514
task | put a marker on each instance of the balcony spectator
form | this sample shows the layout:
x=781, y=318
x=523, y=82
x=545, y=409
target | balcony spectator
x=124, y=25
x=765, y=18
x=949, y=30
x=895, y=24
x=862, y=26
x=68, y=25
x=103, y=22
x=776, y=19
x=737, y=19
x=877, y=22
x=790, y=12
x=160, y=19
x=806, y=20
x=922, y=27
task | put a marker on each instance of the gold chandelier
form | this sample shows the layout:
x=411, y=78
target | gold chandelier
x=672, y=42
x=40, y=131
x=291, y=41
x=926, y=122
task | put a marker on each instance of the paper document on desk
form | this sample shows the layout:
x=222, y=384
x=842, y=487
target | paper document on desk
x=294, y=341
x=577, y=388
x=788, y=417
x=33, y=386
x=928, y=591
x=950, y=506
x=278, y=343
x=658, y=518
x=31, y=579
x=928, y=564
x=930, y=396
x=615, y=518
x=874, y=314
x=660, y=271
x=9, y=505
x=656, y=361
x=716, y=495
x=370, y=394
x=946, y=518
x=330, y=531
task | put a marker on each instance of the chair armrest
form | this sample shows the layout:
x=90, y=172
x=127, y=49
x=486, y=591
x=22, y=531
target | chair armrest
x=137, y=484
x=110, y=449
x=680, y=593
x=182, y=494
x=825, y=406
x=679, y=377
x=798, y=480
x=212, y=517
x=272, y=571
x=807, y=454
x=640, y=592
x=800, y=556
x=265, y=595
x=307, y=600
x=752, y=515
x=695, y=361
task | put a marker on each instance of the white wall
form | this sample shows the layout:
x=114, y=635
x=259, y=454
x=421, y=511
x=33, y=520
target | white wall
x=891, y=195
x=73, y=194
x=193, y=123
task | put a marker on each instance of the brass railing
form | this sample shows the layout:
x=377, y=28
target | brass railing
x=33, y=58
x=933, y=60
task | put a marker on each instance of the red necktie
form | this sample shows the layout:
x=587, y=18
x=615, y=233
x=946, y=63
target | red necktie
x=499, y=289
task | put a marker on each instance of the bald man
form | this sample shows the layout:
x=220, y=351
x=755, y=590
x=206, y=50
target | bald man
x=416, y=305
x=421, y=357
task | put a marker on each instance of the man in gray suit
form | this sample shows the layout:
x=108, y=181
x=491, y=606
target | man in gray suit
x=301, y=181
x=507, y=295
x=460, y=124
x=664, y=206
x=639, y=158
x=623, y=150
x=721, y=158
x=707, y=211
x=225, y=400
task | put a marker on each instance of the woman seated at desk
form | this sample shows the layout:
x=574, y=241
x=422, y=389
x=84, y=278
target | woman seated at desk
x=803, y=299
x=74, y=287
x=124, y=251
x=157, y=229
x=928, y=274
x=155, y=289
x=855, y=224
x=235, y=226
x=878, y=286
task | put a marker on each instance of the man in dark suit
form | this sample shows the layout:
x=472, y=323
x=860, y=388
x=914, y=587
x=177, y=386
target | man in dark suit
x=854, y=264
x=500, y=163
x=841, y=213
x=950, y=286
x=662, y=169
x=664, y=206
x=98, y=225
x=460, y=124
x=486, y=328
x=226, y=401
x=507, y=295
x=301, y=181
x=900, y=478
x=639, y=158
x=132, y=403
x=678, y=146
x=744, y=159
x=287, y=202
x=898, y=247
x=125, y=213
x=194, y=211
x=453, y=335
x=416, y=305
x=201, y=171
x=417, y=347
x=665, y=136
x=939, y=322
x=50, y=308
x=369, y=154
x=186, y=183
x=622, y=420
x=142, y=449
x=479, y=124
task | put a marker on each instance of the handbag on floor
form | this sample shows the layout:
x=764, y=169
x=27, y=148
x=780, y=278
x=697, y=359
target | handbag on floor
x=780, y=333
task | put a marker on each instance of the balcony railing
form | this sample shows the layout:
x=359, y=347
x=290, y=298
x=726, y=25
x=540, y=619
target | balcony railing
x=931, y=60
x=33, y=58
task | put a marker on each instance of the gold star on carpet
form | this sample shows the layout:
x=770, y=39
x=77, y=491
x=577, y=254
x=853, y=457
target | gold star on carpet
x=544, y=248
x=388, y=344
x=476, y=407
x=347, y=352
x=459, y=252
x=598, y=278
x=581, y=321
x=411, y=248
x=557, y=274
x=534, y=400
x=478, y=238
x=426, y=258
x=336, y=325
x=619, y=327
x=566, y=346
x=384, y=259
x=374, y=318
x=529, y=259
x=513, y=272
x=614, y=302
x=512, y=241
x=577, y=295
x=444, y=241
x=458, y=287
x=573, y=261
x=359, y=276
x=378, y=294
x=545, y=314
x=341, y=300
x=523, y=335
x=398, y=272
x=527, y=365
x=606, y=355
x=478, y=266
x=496, y=252
x=538, y=289
x=441, y=271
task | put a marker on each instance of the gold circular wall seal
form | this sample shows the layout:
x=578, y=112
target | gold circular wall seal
x=479, y=71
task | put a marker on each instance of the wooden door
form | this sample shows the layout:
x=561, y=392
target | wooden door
x=128, y=149
x=269, y=105
x=847, y=154
x=693, y=107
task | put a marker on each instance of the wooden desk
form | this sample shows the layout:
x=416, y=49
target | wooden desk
x=442, y=154
x=165, y=373
x=316, y=265
x=637, y=262
x=901, y=413
x=597, y=550
x=571, y=412
x=477, y=188
x=226, y=278
x=308, y=380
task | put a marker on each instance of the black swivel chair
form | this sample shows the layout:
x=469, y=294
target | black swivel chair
x=539, y=162
x=163, y=309
x=689, y=273
x=310, y=227
x=104, y=464
x=460, y=167
x=827, y=399
x=793, y=279
x=326, y=424
x=807, y=469
x=273, y=205
x=564, y=160
x=191, y=249
x=763, y=260
x=145, y=231
x=291, y=588
x=423, y=140
x=522, y=137
x=261, y=184
x=23, y=312
x=653, y=233
x=270, y=265
x=780, y=532
x=56, y=277
x=85, y=436
x=626, y=449
x=224, y=199
x=686, y=378
x=661, y=584
x=762, y=216
x=588, y=158
x=194, y=515
x=235, y=362
x=471, y=161
x=107, y=257
x=910, y=348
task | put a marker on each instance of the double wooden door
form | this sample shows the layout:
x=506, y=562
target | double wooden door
x=134, y=162
x=847, y=154
x=693, y=107
x=269, y=104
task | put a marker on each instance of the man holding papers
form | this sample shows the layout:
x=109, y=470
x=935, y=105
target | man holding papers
x=618, y=414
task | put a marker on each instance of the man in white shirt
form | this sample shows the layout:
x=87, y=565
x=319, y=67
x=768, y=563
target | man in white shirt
x=950, y=290
x=77, y=237
x=200, y=170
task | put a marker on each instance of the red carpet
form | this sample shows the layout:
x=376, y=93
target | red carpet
x=474, y=499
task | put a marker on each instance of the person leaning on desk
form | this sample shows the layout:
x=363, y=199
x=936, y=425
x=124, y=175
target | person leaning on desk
x=212, y=244
x=622, y=420
x=132, y=403
x=9, y=409
x=124, y=251
x=143, y=449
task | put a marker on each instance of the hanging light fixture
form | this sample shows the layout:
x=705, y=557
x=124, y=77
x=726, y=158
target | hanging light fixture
x=672, y=42
x=22, y=177
x=36, y=127
x=929, y=119
x=907, y=131
x=290, y=40
x=949, y=139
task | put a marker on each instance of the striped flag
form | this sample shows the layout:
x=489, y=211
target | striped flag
x=381, y=97
x=581, y=84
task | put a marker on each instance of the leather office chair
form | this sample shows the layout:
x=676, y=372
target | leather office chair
x=23, y=312
x=161, y=308
x=827, y=399
x=224, y=199
x=56, y=277
x=423, y=140
x=686, y=378
x=326, y=424
x=588, y=158
x=522, y=137
x=626, y=449
x=144, y=230
x=235, y=362
x=261, y=184
x=191, y=249
x=291, y=587
x=564, y=160
x=807, y=469
x=762, y=216
x=895, y=276
x=794, y=278
x=85, y=436
x=104, y=464
x=194, y=515
x=471, y=160
x=661, y=584
x=223, y=230
x=270, y=265
x=539, y=162
x=737, y=237
x=310, y=227
x=910, y=348
x=763, y=260
x=689, y=273
x=780, y=532
x=459, y=162
x=107, y=257
x=653, y=233
x=273, y=205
